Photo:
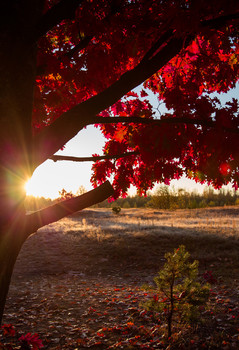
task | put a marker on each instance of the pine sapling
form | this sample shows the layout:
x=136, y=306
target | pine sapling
x=178, y=291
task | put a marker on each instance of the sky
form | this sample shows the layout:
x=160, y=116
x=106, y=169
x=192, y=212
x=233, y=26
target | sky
x=51, y=177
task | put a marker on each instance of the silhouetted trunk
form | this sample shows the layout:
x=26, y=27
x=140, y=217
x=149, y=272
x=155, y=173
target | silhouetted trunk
x=17, y=83
x=9, y=250
x=12, y=219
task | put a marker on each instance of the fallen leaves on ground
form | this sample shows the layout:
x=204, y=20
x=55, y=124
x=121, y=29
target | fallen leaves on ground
x=70, y=312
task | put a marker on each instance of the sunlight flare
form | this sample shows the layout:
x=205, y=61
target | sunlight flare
x=36, y=188
x=31, y=188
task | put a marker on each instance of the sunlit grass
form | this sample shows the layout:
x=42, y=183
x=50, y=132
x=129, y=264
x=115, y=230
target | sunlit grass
x=140, y=238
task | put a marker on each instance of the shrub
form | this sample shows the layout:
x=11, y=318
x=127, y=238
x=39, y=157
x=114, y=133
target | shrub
x=116, y=210
x=177, y=290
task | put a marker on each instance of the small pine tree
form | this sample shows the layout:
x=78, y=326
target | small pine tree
x=178, y=291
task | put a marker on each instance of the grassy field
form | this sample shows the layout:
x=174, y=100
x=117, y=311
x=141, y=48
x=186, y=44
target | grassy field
x=96, y=260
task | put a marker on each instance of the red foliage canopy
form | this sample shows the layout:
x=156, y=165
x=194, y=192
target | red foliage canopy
x=184, y=51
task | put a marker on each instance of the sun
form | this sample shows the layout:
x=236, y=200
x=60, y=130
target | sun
x=39, y=188
x=50, y=178
x=32, y=189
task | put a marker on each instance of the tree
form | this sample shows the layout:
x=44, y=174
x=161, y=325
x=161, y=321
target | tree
x=66, y=64
x=178, y=291
x=162, y=197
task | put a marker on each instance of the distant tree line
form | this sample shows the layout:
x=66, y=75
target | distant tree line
x=35, y=203
x=166, y=198
x=162, y=198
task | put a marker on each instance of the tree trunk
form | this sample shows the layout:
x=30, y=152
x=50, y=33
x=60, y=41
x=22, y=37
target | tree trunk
x=18, y=63
x=17, y=79
x=10, y=245
x=12, y=223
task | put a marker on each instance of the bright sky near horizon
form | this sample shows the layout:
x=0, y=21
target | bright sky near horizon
x=51, y=177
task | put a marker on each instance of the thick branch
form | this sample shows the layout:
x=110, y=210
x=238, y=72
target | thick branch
x=157, y=45
x=58, y=211
x=80, y=46
x=214, y=23
x=72, y=121
x=55, y=158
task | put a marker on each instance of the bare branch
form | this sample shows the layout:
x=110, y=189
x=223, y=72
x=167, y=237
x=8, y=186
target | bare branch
x=220, y=21
x=140, y=120
x=56, y=158
x=173, y=120
x=58, y=211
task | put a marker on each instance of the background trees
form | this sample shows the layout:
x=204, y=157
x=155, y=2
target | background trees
x=66, y=64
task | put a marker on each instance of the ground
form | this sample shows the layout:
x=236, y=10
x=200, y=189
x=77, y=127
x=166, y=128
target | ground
x=78, y=282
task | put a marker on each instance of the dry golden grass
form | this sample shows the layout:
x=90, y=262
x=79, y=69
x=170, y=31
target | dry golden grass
x=98, y=241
